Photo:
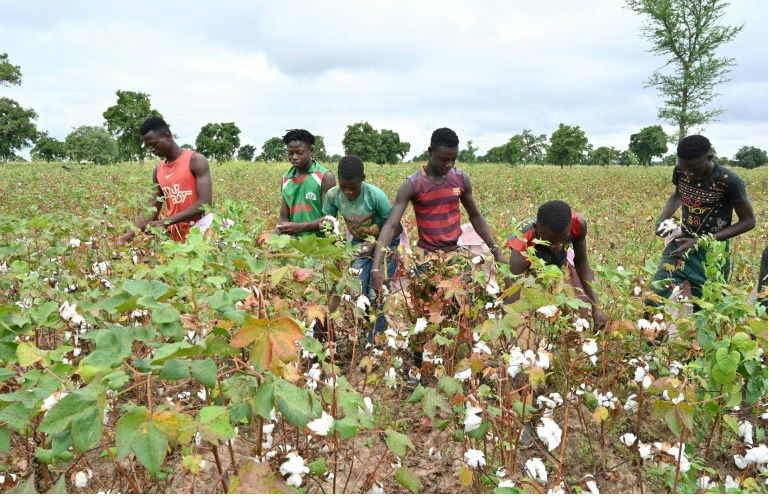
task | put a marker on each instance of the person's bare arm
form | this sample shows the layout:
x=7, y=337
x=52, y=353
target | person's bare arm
x=388, y=233
x=746, y=222
x=673, y=204
x=479, y=223
x=204, y=186
x=518, y=265
x=140, y=222
x=586, y=274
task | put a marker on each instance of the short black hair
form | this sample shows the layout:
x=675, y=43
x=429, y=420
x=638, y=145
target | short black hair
x=444, y=137
x=693, y=146
x=554, y=215
x=299, y=135
x=351, y=168
x=156, y=124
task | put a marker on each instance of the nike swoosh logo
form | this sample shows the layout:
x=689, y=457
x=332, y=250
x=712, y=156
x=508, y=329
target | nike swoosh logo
x=169, y=175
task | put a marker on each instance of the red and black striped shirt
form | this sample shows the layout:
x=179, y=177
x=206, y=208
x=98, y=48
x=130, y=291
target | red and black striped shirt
x=436, y=208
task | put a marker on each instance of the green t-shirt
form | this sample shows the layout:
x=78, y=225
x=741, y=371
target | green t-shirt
x=365, y=216
x=304, y=197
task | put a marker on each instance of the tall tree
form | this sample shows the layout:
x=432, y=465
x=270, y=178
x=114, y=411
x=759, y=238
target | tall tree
x=92, y=144
x=688, y=33
x=273, y=150
x=750, y=157
x=48, y=148
x=514, y=151
x=391, y=149
x=628, y=158
x=536, y=147
x=361, y=139
x=125, y=118
x=17, y=129
x=648, y=143
x=218, y=141
x=246, y=153
x=319, y=152
x=603, y=155
x=467, y=156
x=423, y=157
x=10, y=75
x=567, y=144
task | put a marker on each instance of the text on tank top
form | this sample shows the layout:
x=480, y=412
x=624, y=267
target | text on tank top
x=436, y=209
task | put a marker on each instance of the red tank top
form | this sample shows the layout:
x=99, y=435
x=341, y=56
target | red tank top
x=180, y=191
x=436, y=209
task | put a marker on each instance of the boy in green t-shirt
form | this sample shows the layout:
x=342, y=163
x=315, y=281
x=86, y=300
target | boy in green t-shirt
x=364, y=208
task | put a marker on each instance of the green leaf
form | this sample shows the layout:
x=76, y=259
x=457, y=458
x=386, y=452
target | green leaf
x=432, y=401
x=479, y=433
x=150, y=446
x=204, y=371
x=398, y=443
x=449, y=385
x=408, y=479
x=175, y=370
x=29, y=354
x=6, y=374
x=317, y=467
x=87, y=430
x=152, y=289
x=127, y=430
x=240, y=412
x=60, y=487
x=165, y=315
x=347, y=427
x=213, y=423
x=61, y=442
x=70, y=408
x=25, y=487
x=732, y=422
x=5, y=439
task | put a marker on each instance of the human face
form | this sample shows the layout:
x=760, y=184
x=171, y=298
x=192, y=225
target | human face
x=696, y=168
x=557, y=240
x=299, y=154
x=351, y=187
x=158, y=144
x=442, y=159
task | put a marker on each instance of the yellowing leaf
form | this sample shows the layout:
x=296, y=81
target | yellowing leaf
x=600, y=414
x=465, y=476
x=270, y=337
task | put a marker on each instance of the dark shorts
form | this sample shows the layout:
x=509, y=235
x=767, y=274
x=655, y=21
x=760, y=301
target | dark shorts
x=690, y=269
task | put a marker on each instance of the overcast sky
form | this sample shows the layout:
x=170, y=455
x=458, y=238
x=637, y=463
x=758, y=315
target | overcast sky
x=486, y=69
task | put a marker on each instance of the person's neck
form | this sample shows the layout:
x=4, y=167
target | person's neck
x=304, y=169
x=708, y=171
x=176, y=152
x=430, y=171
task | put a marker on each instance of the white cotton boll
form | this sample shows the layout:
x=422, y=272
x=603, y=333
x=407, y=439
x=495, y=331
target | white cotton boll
x=627, y=439
x=506, y=483
x=645, y=451
x=51, y=401
x=321, y=426
x=475, y=458
x=536, y=469
x=464, y=375
x=543, y=359
x=420, y=326
x=346, y=297
x=675, y=368
x=517, y=361
x=647, y=381
x=550, y=433
x=363, y=303
x=202, y=394
x=740, y=462
x=620, y=268
x=477, y=259
x=331, y=222
x=481, y=347
x=631, y=405
x=81, y=478
x=675, y=401
x=489, y=306
x=637, y=291
x=376, y=488
x=501, y=472
x=704, y=483
x=582, y=325
x=369, y=404
x=676, y=293
x=472, y=418
x=355, y=272
x=198, y=438
x=758, y=455
x=557, y=489
x=667, y=227
x=643, y=324
x=592, y=487
x=640, y=373
x=590, y=348
x=746, y=431
x=730, y=483
x=294, y=467
x=434, y=454
x=547, y=311
x=492, y=288
x=74, y=242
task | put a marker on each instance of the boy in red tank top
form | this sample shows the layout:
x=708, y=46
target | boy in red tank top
x=182, y=178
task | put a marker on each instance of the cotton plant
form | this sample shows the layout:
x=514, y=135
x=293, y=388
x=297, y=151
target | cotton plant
x=536, y=469
x=475, y=458
x=321, y=426
x=473, y=420
x=293, y=469
x=550, y=433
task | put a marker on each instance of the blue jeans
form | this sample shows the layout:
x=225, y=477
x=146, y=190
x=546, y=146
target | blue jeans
x=364, y=265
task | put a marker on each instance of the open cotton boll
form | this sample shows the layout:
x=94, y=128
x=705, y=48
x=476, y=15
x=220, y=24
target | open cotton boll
x=476, y=259
x=81, y=478
x=492, y=288
x=731, y=483
x=592, y=487
x=548, y=311
x=321, y=426
x=420, y=326
x=475, y=458
x=627, y=439
x=536, y=469
x=464, y=375
x=746, y=431
x=643, y=324
x=645, y=451
x=758, y=455
x=472, y=418
x=704, y=483
x=376, y=488
x=666, y=227
x=294, y=467
x=590, y=348
x=631, y=405
x=550, y=433
x=362, y=302
x=506, y=483
x=582, y=325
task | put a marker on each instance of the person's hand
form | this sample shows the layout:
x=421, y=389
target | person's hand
x=500, y=257
x=289, y=228
x=157, y=223
x=126, y=238
x=365, y=249
x=685, y=245
x=376, y=280
x=600, y=319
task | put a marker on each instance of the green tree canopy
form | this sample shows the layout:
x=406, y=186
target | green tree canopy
x=687, y=33
x=423, y=157
x=467, y=156
x=391, y=149
x=604, y=155
x=124, y=119
x=91, y=144
x=628, y=158
x=246, y=153
x=218, y=141
x=750, y=157
x=48, y=149
x=334, y=159
x=273, y=150
x=648, y=143
x=567, y=144
x=361, y=139
x=17, y=129
x=319, y=150
x=10, y=75
x=514, y=151
x=535, y=146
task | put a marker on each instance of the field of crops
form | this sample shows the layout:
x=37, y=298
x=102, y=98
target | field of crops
x=159, y=367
